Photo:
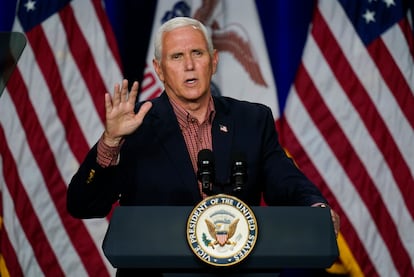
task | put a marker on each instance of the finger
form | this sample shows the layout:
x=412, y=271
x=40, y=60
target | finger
x=143, y=110
x=336, y=222
x=108, y=103
x=133, y=93
x=124, y=90
x=116, y=99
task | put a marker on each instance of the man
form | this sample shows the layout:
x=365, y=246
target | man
x=147, y=154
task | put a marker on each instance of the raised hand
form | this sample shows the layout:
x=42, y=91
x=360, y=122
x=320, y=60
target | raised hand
x=121, y=119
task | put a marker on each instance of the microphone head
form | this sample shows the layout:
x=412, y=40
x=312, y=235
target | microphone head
x=238, y=171
x=205, y=157
x=238, y=161
x=205, y=170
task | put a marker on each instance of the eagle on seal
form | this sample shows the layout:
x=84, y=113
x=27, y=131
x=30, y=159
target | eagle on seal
x=221, y=233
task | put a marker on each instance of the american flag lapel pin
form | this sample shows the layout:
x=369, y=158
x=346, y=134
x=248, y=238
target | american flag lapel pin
x=223, y=128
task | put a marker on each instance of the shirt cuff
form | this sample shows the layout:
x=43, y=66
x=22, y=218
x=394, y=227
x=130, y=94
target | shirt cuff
x=108, y=155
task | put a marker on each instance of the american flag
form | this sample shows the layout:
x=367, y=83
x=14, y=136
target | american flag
x=348, y=122
x=51, y=113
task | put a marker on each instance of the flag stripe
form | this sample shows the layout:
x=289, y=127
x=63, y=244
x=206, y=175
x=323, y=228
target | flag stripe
x=366, y=109
x=290, y=141
x=359, y=58
x=328, y=165
x=27, y=261
x=57, y=93
x=33, y=228
x=93, y=127
x=150, y=87
x=83, y=57
x=40, y=200
x=341, y=108
x=372, y=82
x=409, y=38
x=402, y=54
x=394, y=78
x=49, y=68
x=79, y=236
x=104, y=57
x=28, y=173
x=109, y=36
x=369, y=76
x=356, y=126
x=401, y=134
x=74, y=87
x=352, y=164
x=11, y=264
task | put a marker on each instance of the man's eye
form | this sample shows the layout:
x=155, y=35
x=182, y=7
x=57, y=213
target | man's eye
x=175, y=56
x=197, y=53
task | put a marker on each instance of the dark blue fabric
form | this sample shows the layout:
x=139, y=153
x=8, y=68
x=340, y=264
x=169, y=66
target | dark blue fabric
x=7, y=12
x=285, y=26
x=40, y=11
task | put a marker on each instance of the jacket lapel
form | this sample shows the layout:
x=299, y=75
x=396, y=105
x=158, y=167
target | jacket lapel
x=166, y=128
x=168, y=131
x=222, y=135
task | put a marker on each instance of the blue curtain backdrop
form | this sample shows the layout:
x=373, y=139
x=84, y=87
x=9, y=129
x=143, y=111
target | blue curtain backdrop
x=7, y=8
x=285, y=36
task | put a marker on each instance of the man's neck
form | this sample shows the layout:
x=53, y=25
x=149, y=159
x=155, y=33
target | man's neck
x=196, y=109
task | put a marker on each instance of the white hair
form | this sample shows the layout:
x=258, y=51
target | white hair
x=175, y=23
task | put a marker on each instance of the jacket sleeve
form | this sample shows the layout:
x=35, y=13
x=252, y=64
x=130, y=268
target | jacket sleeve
x=92, y=190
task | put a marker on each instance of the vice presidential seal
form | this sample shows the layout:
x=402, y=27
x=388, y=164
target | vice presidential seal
x=221, y=230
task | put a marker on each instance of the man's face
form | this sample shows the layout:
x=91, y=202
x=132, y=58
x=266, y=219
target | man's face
x=186, y=66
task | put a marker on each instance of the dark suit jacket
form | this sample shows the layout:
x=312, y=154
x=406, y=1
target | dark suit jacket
x=155, y=167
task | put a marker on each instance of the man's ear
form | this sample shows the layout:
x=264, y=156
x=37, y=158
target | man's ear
x=215, y=60
x=158, y=69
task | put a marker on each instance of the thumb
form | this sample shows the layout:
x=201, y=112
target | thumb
x=143, y=110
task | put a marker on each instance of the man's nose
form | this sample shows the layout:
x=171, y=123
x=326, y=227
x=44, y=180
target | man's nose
x=189, y=63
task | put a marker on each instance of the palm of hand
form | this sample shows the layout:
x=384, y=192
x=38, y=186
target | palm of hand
x=121, y=119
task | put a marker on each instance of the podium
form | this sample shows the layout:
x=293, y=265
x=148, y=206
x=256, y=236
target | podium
x=154, y=238
x=11, y=48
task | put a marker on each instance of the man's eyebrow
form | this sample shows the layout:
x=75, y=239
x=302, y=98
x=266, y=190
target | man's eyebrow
x=175, y=53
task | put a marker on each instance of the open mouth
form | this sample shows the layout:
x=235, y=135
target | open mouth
x=190, y=81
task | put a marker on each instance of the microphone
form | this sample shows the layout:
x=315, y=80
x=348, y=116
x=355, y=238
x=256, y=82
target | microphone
x=205, y=172
x=238, y=171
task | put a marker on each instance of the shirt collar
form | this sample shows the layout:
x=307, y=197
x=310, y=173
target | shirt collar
x=184, y=117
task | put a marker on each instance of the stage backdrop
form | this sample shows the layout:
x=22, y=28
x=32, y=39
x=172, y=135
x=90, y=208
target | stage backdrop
x=338, y=76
